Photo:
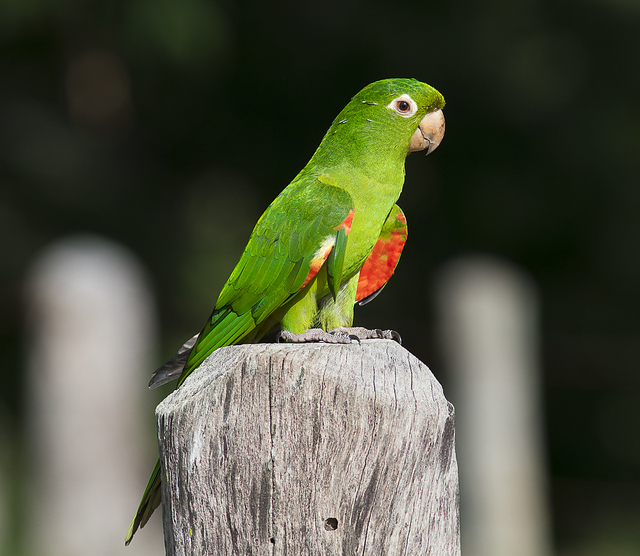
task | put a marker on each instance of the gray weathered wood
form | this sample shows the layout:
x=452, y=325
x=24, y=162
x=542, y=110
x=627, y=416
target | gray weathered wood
x=309, y=449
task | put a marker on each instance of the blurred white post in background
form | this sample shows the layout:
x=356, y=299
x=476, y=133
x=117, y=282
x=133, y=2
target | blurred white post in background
x=488, y=319
x=91, y=336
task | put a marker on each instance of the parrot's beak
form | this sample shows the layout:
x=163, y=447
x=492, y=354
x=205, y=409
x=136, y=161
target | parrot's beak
x=429, y=133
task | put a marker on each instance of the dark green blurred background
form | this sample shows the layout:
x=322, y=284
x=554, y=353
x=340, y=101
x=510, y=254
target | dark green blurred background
x=170, y=125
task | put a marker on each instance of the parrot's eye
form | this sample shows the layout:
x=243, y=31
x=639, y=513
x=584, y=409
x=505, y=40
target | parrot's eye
x=404, y=105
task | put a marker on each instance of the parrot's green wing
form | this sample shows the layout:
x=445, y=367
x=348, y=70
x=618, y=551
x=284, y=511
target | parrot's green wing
x=287, y=248
x=307, y=224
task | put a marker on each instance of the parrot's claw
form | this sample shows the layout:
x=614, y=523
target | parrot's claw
x=339, y=335
x=336, y=336
x=370, y=334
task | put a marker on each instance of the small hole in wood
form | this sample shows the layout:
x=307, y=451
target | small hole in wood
x=273, y=541
x=331, y=524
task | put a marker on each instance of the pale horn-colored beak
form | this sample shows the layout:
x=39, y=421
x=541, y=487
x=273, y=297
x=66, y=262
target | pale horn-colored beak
x=429, y=133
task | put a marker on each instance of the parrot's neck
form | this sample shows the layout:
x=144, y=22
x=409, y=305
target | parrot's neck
x=378, y=161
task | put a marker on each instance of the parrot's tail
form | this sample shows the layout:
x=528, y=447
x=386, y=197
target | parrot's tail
x=173, y=369
x=150, y=501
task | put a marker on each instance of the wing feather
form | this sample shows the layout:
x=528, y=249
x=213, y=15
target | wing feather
x=275, y=263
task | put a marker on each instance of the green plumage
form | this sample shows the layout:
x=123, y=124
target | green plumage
x=301, y=265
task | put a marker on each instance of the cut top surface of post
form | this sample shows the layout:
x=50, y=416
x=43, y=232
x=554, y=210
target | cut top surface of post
x=314, y=449
x=379, y=363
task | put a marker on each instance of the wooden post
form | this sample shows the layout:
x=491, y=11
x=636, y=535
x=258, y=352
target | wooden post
x=91, y=337
x=309, y=449
x=489, y=326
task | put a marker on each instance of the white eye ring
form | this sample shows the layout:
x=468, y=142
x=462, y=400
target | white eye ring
x=403, y=105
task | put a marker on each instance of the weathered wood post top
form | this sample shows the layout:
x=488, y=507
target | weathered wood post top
x=309, y=449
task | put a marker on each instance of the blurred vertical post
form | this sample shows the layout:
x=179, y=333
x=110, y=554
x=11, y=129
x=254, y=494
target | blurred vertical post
x=91, y=331
x=488, y=325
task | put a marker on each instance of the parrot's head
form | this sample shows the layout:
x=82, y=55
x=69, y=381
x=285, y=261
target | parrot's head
x=399, y=115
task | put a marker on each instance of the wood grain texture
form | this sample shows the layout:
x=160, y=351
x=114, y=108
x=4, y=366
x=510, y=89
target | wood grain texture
x=315, y=449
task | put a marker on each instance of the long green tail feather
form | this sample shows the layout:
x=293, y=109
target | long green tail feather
x=150, y=501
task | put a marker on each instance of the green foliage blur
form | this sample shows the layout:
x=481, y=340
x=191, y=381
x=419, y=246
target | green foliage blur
x=169, y=127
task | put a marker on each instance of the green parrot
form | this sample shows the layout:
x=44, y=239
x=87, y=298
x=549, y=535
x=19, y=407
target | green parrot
x=332, y=238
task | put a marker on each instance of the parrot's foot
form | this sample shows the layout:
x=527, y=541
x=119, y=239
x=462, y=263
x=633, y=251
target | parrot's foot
x=339, y=335
x=369, y=334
